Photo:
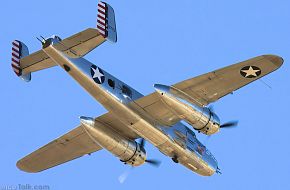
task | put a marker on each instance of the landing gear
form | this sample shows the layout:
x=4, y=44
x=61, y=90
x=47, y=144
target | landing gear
x=175, y=160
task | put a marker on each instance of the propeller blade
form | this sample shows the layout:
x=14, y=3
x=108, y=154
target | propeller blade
x=229, y=124
x=211, y=108
x=153, y=162
x=142, y=143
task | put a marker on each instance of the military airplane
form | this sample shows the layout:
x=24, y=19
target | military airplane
x=132, y=118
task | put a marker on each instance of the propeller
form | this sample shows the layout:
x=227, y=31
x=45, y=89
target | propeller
x=229, y=124
x=152, y=162
x=142, y=143
x=211, y=108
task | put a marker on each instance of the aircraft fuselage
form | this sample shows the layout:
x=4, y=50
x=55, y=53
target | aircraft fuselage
x=177, y=141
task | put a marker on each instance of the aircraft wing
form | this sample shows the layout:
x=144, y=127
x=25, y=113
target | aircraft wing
x=212, y=86
x=72, y=145
x=75, y=46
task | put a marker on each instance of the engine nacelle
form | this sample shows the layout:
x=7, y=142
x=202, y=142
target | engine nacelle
x=128, y=151
x=200, y=118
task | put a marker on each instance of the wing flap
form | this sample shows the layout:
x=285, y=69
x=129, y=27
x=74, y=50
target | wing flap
x=154, y=106
x=110, y=120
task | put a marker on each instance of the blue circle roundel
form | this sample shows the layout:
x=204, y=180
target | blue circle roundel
x=97, y=74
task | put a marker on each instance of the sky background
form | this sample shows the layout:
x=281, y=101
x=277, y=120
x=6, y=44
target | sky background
x=159, y=42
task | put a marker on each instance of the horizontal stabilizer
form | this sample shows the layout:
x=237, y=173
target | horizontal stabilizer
x=75, y=46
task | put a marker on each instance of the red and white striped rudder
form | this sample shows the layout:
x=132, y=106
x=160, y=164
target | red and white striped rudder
x=19, y=50
x=16, y=54
x=106, y=24
x=102, y=19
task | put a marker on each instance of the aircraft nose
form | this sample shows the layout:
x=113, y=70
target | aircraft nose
x=161, y=88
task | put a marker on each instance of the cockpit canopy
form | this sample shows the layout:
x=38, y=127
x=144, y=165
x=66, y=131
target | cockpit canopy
x=50, y=41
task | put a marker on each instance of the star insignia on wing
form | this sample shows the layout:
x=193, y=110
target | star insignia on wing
x=97, y=74
x=250, y=71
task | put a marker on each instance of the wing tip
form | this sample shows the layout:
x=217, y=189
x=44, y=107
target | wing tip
x=24, y=167
x=276, y=60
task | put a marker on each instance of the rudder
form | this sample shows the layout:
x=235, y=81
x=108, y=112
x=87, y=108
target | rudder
x=19, y=50
x=106, y=23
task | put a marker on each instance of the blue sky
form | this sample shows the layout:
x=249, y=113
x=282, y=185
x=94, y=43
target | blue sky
x=159, y=42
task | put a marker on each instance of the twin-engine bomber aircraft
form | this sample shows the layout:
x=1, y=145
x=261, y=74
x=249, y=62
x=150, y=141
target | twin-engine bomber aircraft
x=155, y=118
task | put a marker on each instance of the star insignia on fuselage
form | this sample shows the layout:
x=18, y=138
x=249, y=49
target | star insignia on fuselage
x=250, y=71
x=97, y=74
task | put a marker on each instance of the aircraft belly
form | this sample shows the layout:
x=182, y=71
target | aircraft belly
x=187, y=158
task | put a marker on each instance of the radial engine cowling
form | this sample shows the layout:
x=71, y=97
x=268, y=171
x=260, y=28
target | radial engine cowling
x=200, y=118
x=135, y=155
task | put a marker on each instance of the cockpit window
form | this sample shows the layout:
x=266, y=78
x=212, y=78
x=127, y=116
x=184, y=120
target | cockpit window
x=58, y=38
x=127, y=91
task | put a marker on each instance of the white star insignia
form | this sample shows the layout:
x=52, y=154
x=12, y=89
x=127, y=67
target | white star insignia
x=251, y=72
x=97, y=74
